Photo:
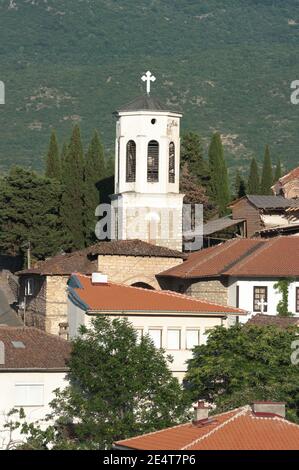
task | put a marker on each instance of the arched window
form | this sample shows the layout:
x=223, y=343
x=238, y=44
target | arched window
x=171, y=163
x=153, y=162
x=131, y=162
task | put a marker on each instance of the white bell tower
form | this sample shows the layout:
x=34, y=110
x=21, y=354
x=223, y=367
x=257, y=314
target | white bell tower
x=147, y=202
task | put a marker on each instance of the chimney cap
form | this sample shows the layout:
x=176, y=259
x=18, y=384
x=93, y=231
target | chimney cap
x=270, y=408
x=99, y=278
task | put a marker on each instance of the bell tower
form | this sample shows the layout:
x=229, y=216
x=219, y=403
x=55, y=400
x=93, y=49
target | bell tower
x=146, y=200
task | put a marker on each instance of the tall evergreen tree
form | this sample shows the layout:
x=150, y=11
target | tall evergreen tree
x=218, y=172
x=278, y=171
x=192, y=155
x=73, y=189
x=267, y=174
x=53, y=164
x=253, y=186
x=63, y=154
x=94, y=172
x=240, y=186
x=29, y=212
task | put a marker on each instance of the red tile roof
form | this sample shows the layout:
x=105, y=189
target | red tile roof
x=85, y=261
x=120, y=298
x=261, y=319
x=294, y=174
x=277, y=257
x=39, y=350
x=239, y=429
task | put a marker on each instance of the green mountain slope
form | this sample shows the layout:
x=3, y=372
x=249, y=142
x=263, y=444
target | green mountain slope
x=227, y=64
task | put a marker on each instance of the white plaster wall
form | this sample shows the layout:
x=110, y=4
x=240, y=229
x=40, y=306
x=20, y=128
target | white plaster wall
x=50, y=380
x=246, y=295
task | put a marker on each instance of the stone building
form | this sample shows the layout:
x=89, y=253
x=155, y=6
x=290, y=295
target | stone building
x=42, y=291
x=288, y=185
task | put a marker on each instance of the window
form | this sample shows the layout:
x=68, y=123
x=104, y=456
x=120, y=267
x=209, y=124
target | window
x=29, y=395
x=131, y=162
x=29, y=286
x=153, y=162
x=260, y=299
x=173, y=339
x=297, y=299
x=156, y=337
x=192, y=338
x=171, y=169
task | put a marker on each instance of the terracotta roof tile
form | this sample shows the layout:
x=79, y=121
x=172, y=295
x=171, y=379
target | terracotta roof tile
x=239, y=429
x=273, y=320
x=118, y=297
x=277, y=257
x=41, y=350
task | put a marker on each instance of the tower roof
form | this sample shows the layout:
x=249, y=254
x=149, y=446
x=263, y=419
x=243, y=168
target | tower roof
x=145, y=103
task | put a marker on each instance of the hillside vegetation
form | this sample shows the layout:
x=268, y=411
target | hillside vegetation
x=227, y=64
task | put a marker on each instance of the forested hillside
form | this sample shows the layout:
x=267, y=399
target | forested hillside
x=227, y=64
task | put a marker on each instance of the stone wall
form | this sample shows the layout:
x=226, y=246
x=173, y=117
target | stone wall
x=132, y=269
x=212, y=290
x=56, y=298
x=32, y=310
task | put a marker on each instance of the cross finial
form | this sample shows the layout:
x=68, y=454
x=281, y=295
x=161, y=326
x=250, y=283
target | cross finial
x=148, y=78
x=262, y=303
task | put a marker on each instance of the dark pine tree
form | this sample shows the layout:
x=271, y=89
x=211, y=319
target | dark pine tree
x=240, y=186
x=73, y=189
x=218, y=172
x=278, y=171
x=94, y=171
x=267, y=174
x=253, y=186
x=53, y=163
x=192, y=154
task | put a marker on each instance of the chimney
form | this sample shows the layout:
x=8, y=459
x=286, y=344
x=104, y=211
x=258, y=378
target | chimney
x=269, y=408
x=2, y=353
x=201, y=411
x=99, y=278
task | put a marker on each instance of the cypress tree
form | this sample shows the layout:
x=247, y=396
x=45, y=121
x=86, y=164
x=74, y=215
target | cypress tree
x=72, y=198
x=63, y=154
x=278, y=171
x=240, y=186
x=218, y=172
x=93, y=173
x=254, y=179
x=53, y=164
x=267, y=174
x=192, y=155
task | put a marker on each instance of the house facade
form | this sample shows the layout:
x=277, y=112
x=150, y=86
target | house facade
x=32, y=365
x=174, y=322
x=288, y=185
x=242, y=273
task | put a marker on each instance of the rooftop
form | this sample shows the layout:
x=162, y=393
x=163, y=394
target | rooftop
x=273, y=320
x=145, y=103
x=239, y=429
x=267, y=202
x=111, y=297
x=242, y=257
x=31, y=348
x=85, y=261
x=294, y=174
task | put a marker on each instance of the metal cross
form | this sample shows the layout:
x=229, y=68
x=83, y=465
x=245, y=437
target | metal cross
x=262, y=304
x=148, y=78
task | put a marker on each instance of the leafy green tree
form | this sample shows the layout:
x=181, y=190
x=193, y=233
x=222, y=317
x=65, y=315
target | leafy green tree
x=245, y=363
x=219, y=176
x=94, y=172
x=118, y=387
x=29, y=212
x=73, y=192
x=267, y=173
x=192, y=154
x=53, y=163
x=278, y=171
x=254, y=179
x=282, y=287
x=110, y=166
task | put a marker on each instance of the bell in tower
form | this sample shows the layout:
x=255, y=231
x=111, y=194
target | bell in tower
x=146, y=200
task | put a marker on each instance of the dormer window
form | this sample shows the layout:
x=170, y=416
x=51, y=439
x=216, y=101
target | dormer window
x=131, y=162
x=153, y=162
x=171, y=163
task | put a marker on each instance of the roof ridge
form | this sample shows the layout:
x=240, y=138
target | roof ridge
x=264, y=245
x=224, y=246
x=244, y=256
x=239, y=413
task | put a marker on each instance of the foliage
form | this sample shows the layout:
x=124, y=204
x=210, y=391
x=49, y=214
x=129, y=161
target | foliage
x=240, y=186
x=94, y=171
x=278, y=171
x=218, y=172
x=73, y=189
x=245, y=363
x=29, y=212
x=267, y=173
x=192, y=155
x=53, y=163
x=253, y=179
x=119, y=387
x=283, y=288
